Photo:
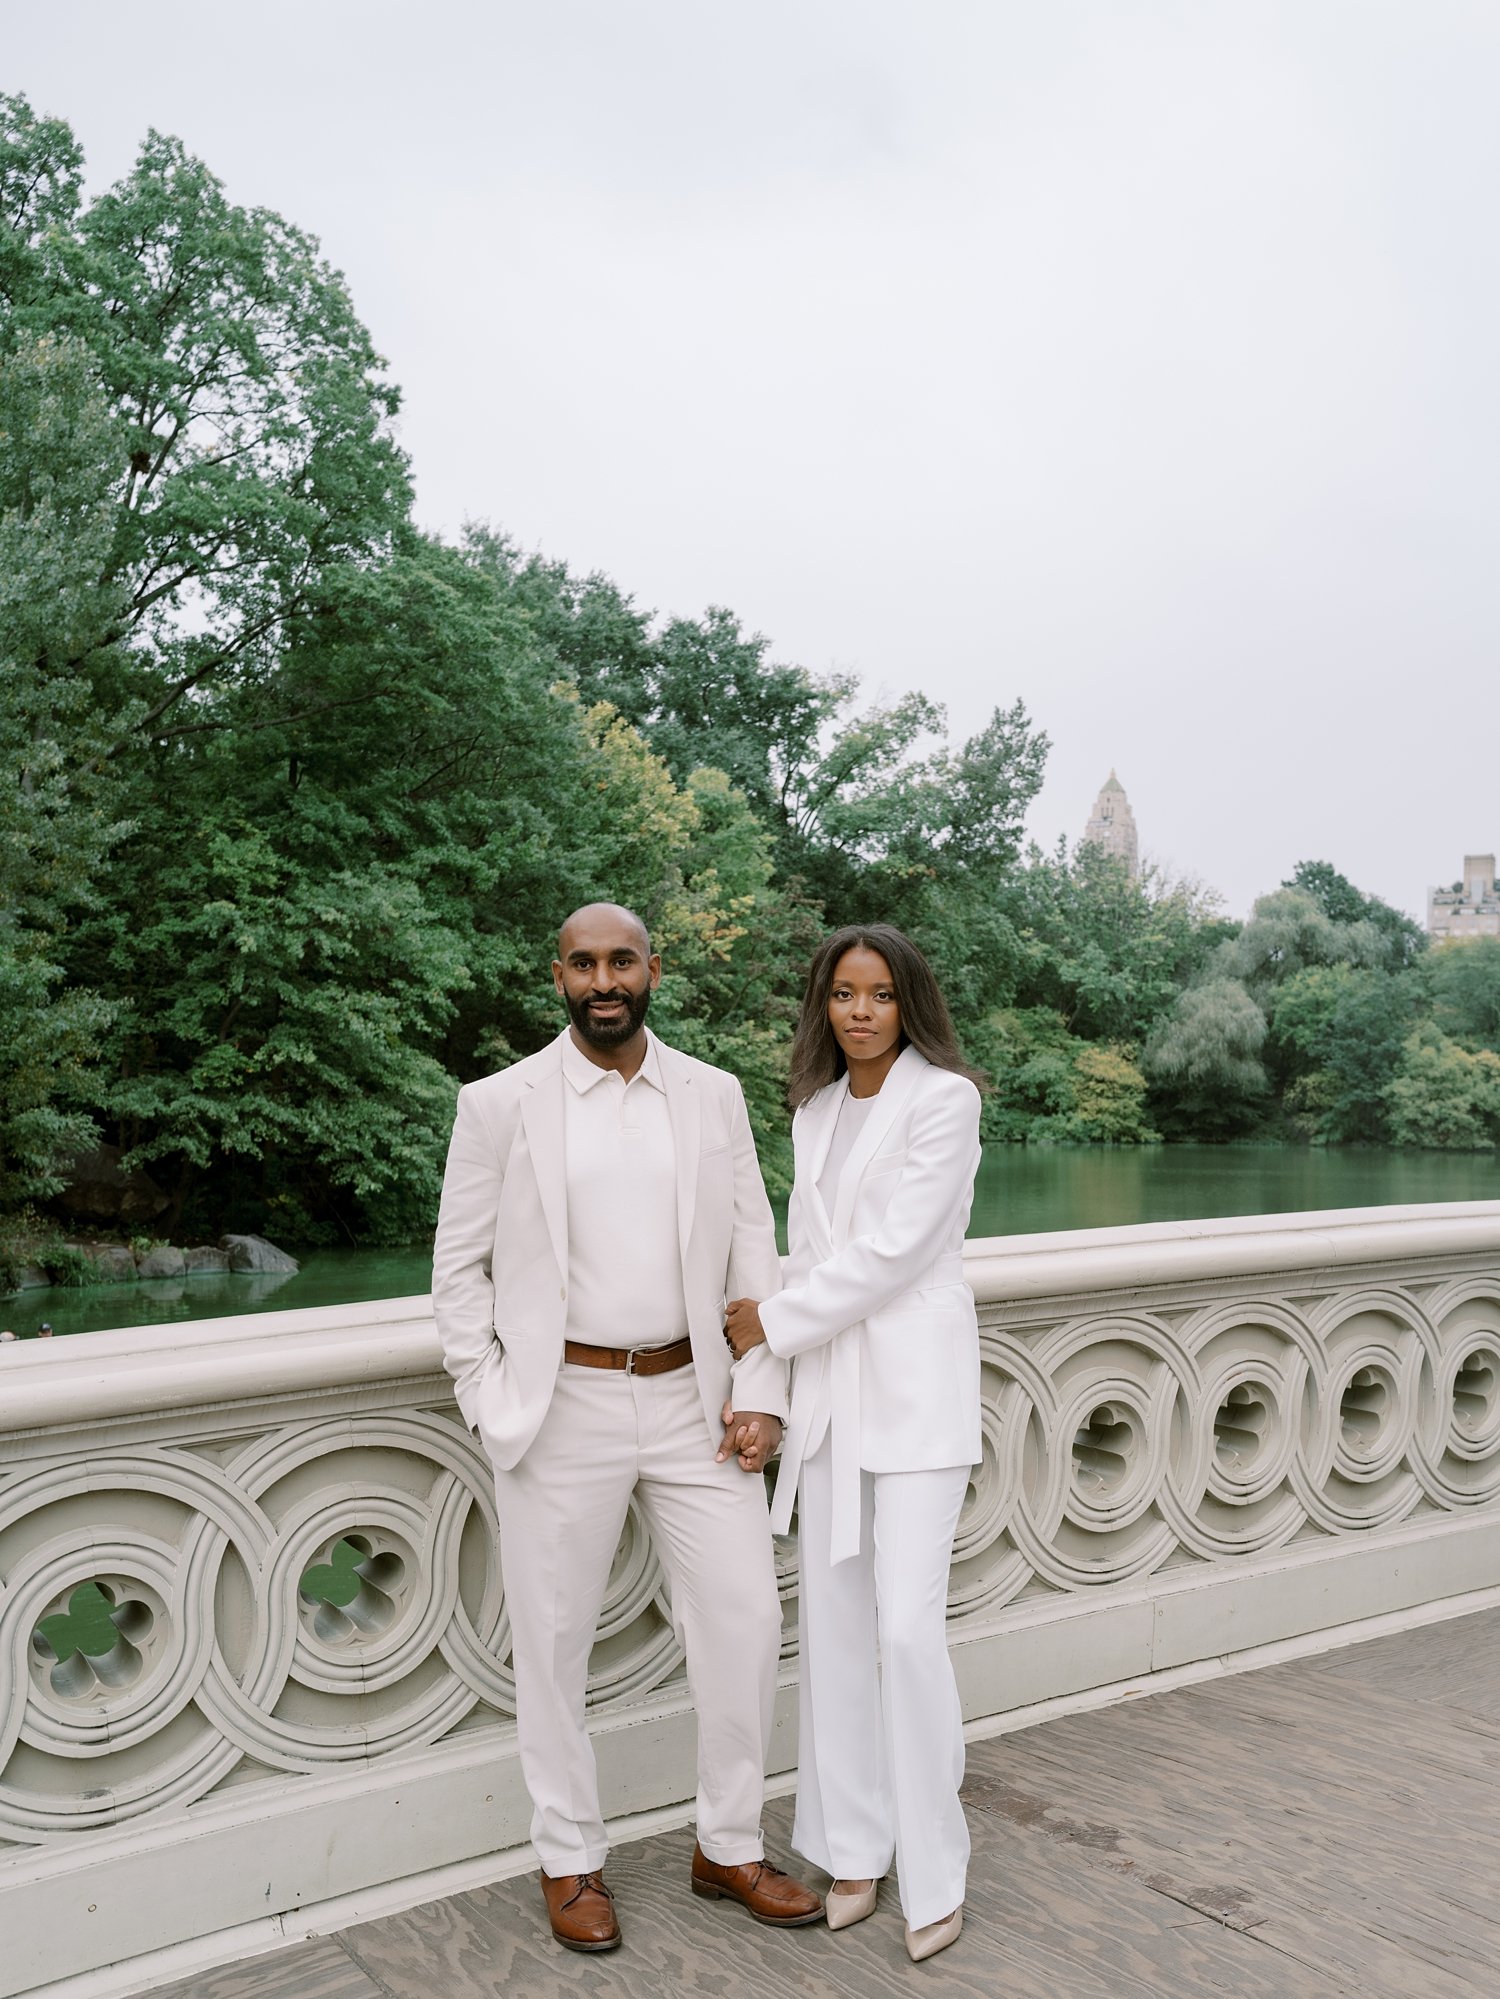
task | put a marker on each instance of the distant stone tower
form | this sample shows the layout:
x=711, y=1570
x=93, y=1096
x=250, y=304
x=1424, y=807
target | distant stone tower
x=1112, y=825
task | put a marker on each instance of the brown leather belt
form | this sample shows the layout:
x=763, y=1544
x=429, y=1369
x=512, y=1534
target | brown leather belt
x=630, y=1360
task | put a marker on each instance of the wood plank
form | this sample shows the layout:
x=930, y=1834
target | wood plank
x=1447, y=1665
x=316, y=1969
x=1036, y=1927
x=1319, y=1830
x=1329, y=1921
x=1332, y=1826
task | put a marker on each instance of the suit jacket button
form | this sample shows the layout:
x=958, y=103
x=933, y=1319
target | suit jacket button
x=564, y=1292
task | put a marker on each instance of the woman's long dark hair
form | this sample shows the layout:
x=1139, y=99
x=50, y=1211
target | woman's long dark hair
x=817, y=1058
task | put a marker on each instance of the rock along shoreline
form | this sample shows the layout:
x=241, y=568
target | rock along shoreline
x=90, y=1263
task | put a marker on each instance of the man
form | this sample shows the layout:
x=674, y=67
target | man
x=601, y=1200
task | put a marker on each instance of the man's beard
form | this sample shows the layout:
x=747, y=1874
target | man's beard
x=609, y=1033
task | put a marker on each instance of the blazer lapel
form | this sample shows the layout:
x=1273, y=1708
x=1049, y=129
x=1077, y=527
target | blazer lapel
x=816, y=1139
x=889, y=1104
x=543, y=1119
x=685, y=1109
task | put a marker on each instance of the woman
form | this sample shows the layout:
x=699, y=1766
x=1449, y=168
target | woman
x=884, y=1423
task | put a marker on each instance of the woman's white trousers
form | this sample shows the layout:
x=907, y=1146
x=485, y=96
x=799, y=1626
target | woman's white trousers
x=881, y=1745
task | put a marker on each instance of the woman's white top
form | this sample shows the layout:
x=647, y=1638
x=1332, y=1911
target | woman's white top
x=873, y=1307
x=849, y=1121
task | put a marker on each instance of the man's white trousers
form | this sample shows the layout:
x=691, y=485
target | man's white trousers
x=561, y=1510
x=881, y=1746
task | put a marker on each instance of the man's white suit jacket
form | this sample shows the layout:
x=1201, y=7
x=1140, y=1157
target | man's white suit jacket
x=500, y=1260
x=873, y=1302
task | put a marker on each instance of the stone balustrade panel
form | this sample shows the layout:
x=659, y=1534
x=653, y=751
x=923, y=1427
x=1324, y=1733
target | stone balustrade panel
x=271, y=1586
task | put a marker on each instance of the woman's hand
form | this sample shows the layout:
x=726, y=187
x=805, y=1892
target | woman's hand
x=749, y=1435
x=742, y=1326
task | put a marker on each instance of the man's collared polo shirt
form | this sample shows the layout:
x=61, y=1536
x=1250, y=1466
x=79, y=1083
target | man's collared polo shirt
x=624, y=1263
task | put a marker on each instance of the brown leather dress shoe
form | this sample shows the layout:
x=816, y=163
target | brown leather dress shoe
x=581, y=1911
x=770, y=1896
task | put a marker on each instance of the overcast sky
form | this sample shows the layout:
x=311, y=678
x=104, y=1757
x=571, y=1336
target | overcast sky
x=1135, y=359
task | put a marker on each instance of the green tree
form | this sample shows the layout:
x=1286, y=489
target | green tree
x=1203, y=1062
x=59, y=803
x=593, y=629
x=735, y=949
x=1288, y=931
x=1443, y=1096
x=1463, y=981
x=1337, y=1032
x=277, y=1014
x=1109, y=950
x=1027, y=1053
x=704, y=692
x=1049, y=1086
x=868, y=808
x=253, y=454
x=1109, y=1098
x=196, y=462
x=1342, y=902
x=41, y=179
x=392, y=822
x=400, y=814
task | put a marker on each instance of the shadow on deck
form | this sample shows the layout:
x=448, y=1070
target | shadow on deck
x=1330, y=1827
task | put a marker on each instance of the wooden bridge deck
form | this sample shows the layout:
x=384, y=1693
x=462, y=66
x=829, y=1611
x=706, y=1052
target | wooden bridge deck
x=1329, y=1827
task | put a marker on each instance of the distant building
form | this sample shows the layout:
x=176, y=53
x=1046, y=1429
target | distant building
x=1470, y=908
x=1112, y=825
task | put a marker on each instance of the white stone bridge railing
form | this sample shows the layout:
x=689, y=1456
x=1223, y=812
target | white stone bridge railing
x=253, y=1649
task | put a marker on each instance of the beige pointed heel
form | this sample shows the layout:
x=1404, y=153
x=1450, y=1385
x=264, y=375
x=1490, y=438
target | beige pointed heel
x=933, y=1937
x=841, y=1907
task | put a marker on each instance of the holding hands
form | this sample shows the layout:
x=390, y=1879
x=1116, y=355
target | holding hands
x=750, y=1436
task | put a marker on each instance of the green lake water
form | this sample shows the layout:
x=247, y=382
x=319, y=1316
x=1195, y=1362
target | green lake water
x=1021, y=1190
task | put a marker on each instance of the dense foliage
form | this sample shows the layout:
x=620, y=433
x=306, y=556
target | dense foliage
x=292, y=796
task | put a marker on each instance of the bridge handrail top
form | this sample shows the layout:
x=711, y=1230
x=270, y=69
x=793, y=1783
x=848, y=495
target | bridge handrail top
x=142, y=1370
x=1064, y=1263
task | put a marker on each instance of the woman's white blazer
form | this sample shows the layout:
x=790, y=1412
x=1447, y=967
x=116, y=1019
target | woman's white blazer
x=874, y=1310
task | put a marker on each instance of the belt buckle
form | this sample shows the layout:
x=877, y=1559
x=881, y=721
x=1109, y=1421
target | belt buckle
x=630, y=1354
